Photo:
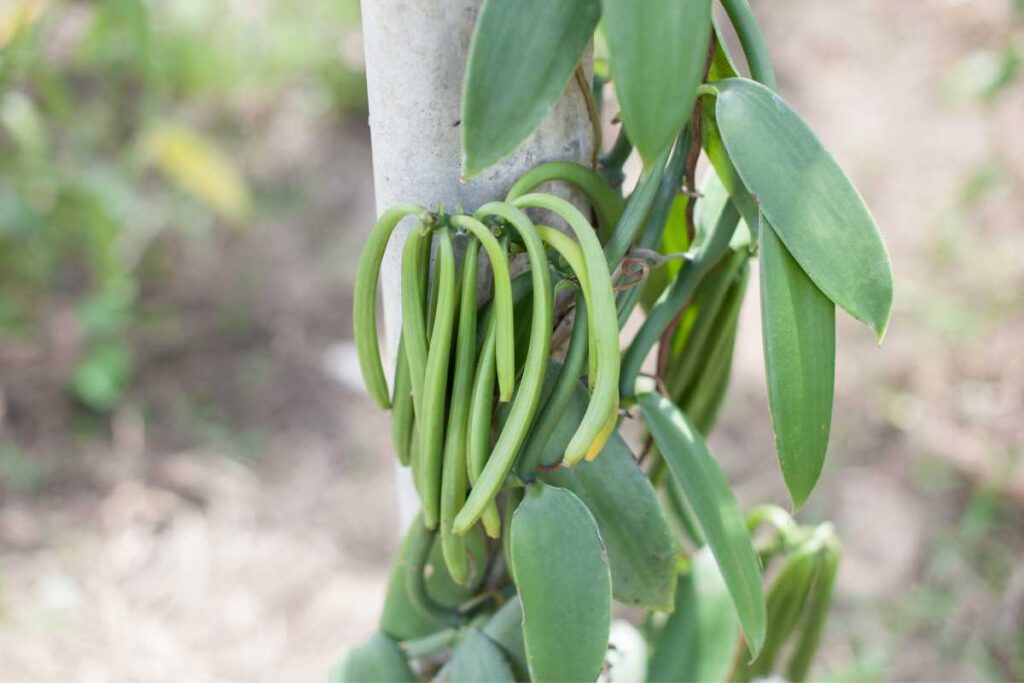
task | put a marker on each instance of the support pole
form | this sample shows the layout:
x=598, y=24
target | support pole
x=415, y=60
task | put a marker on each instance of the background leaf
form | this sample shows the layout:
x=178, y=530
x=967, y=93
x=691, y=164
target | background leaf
x=714, y=507
x=799, y=332
x=658, y=51
x=523, y=55
x=815, y=209
x=558, y=562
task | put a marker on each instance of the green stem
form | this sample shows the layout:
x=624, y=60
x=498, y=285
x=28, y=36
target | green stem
x=657, y=219
x=612, y=161
x=752, y=40
x=674, y=298
x=417, y=557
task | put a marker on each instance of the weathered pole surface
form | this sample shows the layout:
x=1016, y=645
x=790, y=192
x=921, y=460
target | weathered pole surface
x=415, y=60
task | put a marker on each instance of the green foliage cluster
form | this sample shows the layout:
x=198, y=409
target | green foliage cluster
x=117, y=124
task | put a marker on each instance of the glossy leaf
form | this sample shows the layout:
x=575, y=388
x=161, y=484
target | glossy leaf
x=658, y=50
x=714, y=507
x=476, y=659
x=380, y=659
x=815, y=209
x=799, y=335
x=559, y=566
x=699, y=639
x=521, y=59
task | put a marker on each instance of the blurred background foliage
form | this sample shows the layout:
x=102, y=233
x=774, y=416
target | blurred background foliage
x=192, y=485
x=117, y=123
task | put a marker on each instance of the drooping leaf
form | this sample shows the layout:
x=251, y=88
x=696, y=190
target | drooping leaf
x=380, y=660
x=799, y=333
x=714, y=507
x=521, y=59
x=815, y=209
x=505, y=628
x=559, y=566
x=658, y=50
x=476, y=659
x=699, y=639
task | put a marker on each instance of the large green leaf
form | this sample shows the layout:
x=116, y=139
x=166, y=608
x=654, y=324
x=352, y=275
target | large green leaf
x=641, y=547
x=799, y=333
x=815, y=209
x=476, y=659
x=559, y=566
x=380, y=659
x=714, y=507
x=699, y=639
x=522, y=56
x=658, y=50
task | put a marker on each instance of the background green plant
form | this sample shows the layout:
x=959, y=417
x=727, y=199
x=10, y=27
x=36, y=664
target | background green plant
x=114, y=119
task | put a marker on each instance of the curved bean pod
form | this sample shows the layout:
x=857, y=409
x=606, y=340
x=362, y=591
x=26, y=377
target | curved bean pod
x=478, y=437
x=402, y=418
x=588, y=441
x=558, y=399
x=573, y=255
x=524, y=405
x=431, y=410
x=505, y=332
x=453, y=472
x=414, y=327
x=364, y=303
x=607, y=203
